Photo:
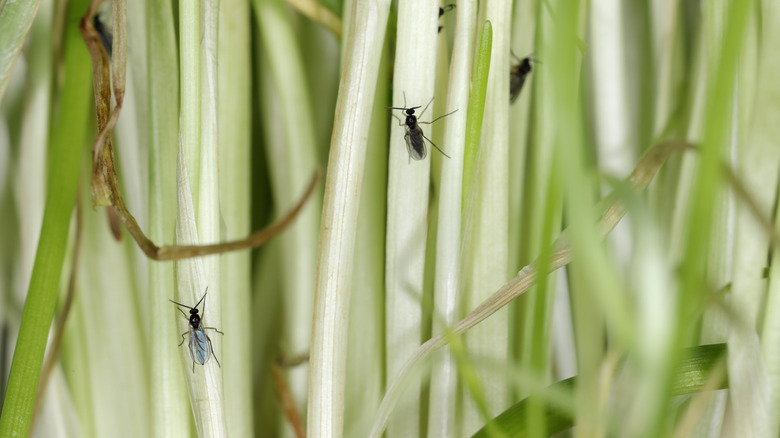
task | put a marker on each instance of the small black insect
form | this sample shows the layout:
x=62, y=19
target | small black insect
x=442, y=10
x=518, y=75
x=415, y=139
x=106, y=38
x=200, y=344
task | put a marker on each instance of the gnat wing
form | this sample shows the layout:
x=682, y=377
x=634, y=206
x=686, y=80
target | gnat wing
x=199, y=346
x=517, y=78
x=515, y=86
x=415, y=144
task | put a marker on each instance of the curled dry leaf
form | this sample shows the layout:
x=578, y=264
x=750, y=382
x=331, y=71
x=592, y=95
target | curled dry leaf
x=104, y=180
x=105, y=183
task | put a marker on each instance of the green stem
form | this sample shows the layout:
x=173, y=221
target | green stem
x=476, y=107
x=68, y=140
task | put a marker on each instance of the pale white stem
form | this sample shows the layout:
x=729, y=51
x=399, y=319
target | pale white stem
x=656, y=303
x=207, y=209
x=106, y=299
x=168, y=401
x=766, y=132
x=234, y=76
x=325, y=416
x=407, y=200
x=205, y=382
x=189, y=80
x=613, y=116
x=756, y=378
x=444, y=383
x=486, y=251
x=365, y=353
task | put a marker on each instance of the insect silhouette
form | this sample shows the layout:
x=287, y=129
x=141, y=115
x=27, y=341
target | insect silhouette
x=518, y=75
x=106, y=38
x=415, y=139
x=442, y=10
x=200, y=343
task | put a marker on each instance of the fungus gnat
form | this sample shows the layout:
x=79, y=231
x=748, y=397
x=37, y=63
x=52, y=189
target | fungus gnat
x=200, y=343
x=518, y=75
x=106, y=38
x=443, y=10
x=415, y=139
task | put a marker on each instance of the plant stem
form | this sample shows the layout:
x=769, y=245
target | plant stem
x=68, y=138
x=407, y=201
x=325, y=416
x=169, y=410
x=444, y=384
x=486, y=227
x=234, y=75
